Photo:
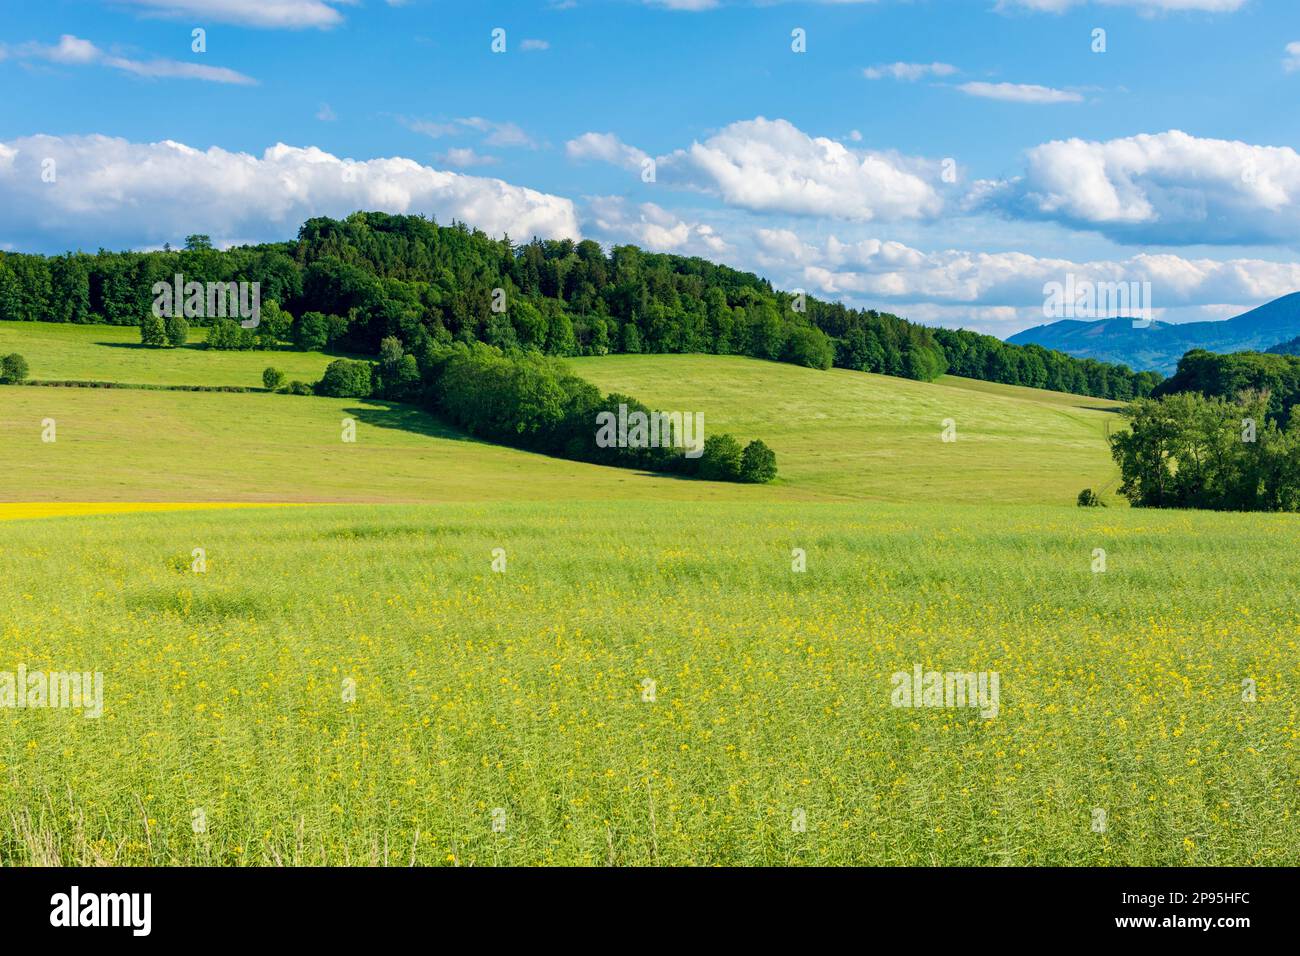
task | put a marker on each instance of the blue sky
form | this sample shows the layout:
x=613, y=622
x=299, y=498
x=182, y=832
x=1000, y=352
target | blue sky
x=1169, y=158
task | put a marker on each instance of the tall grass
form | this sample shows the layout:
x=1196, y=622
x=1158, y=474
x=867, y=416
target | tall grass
x=524, y=692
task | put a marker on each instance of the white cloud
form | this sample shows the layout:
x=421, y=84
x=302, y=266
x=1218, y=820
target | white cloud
x=113, y=192
x=908, y=72
x=605, y=148
x=1292, y=61
x=1019, y=93
x=772, y=166
x=75, y=51
x=1169, y=188
x=466, y=158
x=494, y=133
x=326, y=113
x=615, y=220
x=272, y=14
x=70, y=49
x=892, y=271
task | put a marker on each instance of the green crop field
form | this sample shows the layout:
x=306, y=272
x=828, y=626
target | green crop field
x=461, y=654
x=524, y=691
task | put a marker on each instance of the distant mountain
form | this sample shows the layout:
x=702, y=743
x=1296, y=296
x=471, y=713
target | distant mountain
x=1159, y=346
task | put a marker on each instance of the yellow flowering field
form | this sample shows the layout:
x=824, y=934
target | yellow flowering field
x=652, y=683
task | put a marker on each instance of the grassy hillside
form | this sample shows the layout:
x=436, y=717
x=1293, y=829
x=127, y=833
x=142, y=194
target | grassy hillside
x=525, y=690
x=838, y=435
x=112, y=353
x=857, y=435
x=126, y=445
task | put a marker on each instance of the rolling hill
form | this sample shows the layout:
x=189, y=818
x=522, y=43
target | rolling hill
x=1159, y=346
x=838, y=435
x=771, y=682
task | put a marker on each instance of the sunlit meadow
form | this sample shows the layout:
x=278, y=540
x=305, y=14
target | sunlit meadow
x=504, y=717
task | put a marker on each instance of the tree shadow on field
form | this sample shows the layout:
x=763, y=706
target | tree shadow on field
x=187, y=347
x=407, y=418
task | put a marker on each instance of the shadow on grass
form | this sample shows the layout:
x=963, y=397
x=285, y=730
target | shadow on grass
x=203, y=347
x=407, y=418
x=139, y=345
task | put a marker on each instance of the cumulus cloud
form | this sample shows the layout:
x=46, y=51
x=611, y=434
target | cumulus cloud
x=772, y=166
x=1012, y=281
x=76, y=51
x=908, y=72
x=1169, y=188
x=267, y=14
x=1019, y=93
x=113, y=192
x=615, y=220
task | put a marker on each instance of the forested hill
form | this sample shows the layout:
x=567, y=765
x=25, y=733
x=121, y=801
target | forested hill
x=349, y=283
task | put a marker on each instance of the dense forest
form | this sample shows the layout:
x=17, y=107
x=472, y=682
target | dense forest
x=1227, y=376
x=348, y=284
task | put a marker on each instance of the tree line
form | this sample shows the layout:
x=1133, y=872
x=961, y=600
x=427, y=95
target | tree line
x=348, y=284
x=1226, y=376
x=532, y=401
x=1189, y=450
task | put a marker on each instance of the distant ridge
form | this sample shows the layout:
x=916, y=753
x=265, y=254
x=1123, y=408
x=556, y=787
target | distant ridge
x=1159, y=346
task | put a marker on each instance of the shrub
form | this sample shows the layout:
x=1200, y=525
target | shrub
x=229, y=335
x=13, y=369
x=721, y=459
x=299, y=388
x=1090, y=499
x=152, y=331
x=272, y=378
x=757, y=463
x=176, y=330
x=345, y=378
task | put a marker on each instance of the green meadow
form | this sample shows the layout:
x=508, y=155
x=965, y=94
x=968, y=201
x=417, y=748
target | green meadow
x=113, y=353
x=462, y=654
x=838, y=435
